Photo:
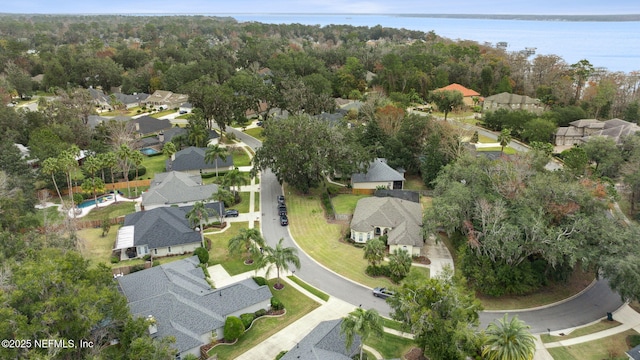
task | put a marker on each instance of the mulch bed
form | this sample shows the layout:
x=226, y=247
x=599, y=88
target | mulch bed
x=415, y=354
x=421, y=260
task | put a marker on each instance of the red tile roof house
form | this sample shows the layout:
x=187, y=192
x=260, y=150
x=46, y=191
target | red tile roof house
x=468, y=95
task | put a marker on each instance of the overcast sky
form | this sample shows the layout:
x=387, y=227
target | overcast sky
x=563, y=7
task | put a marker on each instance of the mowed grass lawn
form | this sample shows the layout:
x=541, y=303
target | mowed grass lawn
x=612, y=347
x=219, y=252
x=391, y=346
x=94, y=247
x=346, y=203
x=322, y=240
x=296, y=304
x=154, y=165
x=256, y=133
x=599, y=326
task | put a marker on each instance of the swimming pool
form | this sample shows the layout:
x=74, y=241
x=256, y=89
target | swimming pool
x=92, y=202
x=149, y=151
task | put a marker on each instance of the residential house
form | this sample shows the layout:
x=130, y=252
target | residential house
x=147, y=125
x=166, y=99
x=580, y=131
x=573, y=134
x=379, y=175
x=94, y=120
x=509, y=101
x=159, y=232
x=130, y=101
x=191, y=160
x=469, y=97
x=634, y=354
x=183, y=305
x=400, y=220
x=324, y=342
x=176, y=188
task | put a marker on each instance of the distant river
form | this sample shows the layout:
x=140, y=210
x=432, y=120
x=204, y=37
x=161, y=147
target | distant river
x=613, y=45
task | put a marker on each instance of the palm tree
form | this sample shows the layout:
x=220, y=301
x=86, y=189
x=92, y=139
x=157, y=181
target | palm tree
x=504, y=138
x=137, y=158
x=124, y=154
x=69, y=163
x=249, y=239
x=508, y=340
x=198, y=215
x=280, y=257
x=92, y=165
x=399, y=263
x=222, y=196
x=51, y=166
x=169, y=149
x=197, y=135
x=235, y=178
x=110, y=161
x=374, y=251
x=214, y=152
x=363, y=323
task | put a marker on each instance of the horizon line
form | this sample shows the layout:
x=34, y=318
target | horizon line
x=316, y=13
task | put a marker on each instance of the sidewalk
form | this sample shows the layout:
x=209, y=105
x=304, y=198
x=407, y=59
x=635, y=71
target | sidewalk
x=628, y=318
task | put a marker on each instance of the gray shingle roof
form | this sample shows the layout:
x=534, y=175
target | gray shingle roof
x=634, y=353
x=161, y=227
x=588, y=123
x=378, y=171
x=182, y=302
x=148, y=125
x=130, y=99
x=171, y=133
x=402, y=216
x=324, y=342
x=192, y=158
x=508, y=98
x=175, y=187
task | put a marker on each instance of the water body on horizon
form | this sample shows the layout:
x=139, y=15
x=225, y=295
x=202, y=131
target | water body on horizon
x=614, y=45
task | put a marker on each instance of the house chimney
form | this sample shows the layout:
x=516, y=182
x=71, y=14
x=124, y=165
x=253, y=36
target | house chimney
x=161, y=137
x=137, y=126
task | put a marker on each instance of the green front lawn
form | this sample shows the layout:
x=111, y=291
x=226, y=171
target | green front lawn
x=325, y=242
x=296, y=304
x=241, y=157
x=507, y=150
x=390, y=346
x=162, y=113
x=346, y=203
x=219, y=253
x=309, y=288
x=256, y=133
x=612, y=347
x=243, y=205
x=599, y=326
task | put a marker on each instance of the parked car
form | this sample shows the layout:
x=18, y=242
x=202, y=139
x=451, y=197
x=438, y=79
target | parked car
x=231, y=213
x=284, y=221
x=259, y=123
x=382, y=292
x=281, y=199
x=182, y=112
x=282, y=210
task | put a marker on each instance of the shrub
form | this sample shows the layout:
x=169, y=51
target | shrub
x=136, y=268
x=202, y=254
x=281, y=354
x=382, y=270
x=231, y=136
x=260, y=280
x=261, y=312
x=247, y=319
x=276, y=304
x=326, y=202
x=115, y=259
x=147, y=257
x=233, y=328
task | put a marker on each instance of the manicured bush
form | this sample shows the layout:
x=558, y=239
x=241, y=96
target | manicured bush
x=381, y=270
x=260, y=280
x=276, y=304
x=261, y=312
x=247, y=319
x=233, y=328
x=147, y=257
x=202, y=254
x=115, y=259
x=326, y=203
x=136, y=268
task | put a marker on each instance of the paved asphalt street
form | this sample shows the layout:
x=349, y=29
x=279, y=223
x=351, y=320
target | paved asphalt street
x=589, y=306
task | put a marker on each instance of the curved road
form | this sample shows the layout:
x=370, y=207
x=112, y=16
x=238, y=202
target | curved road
x=592, y=304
